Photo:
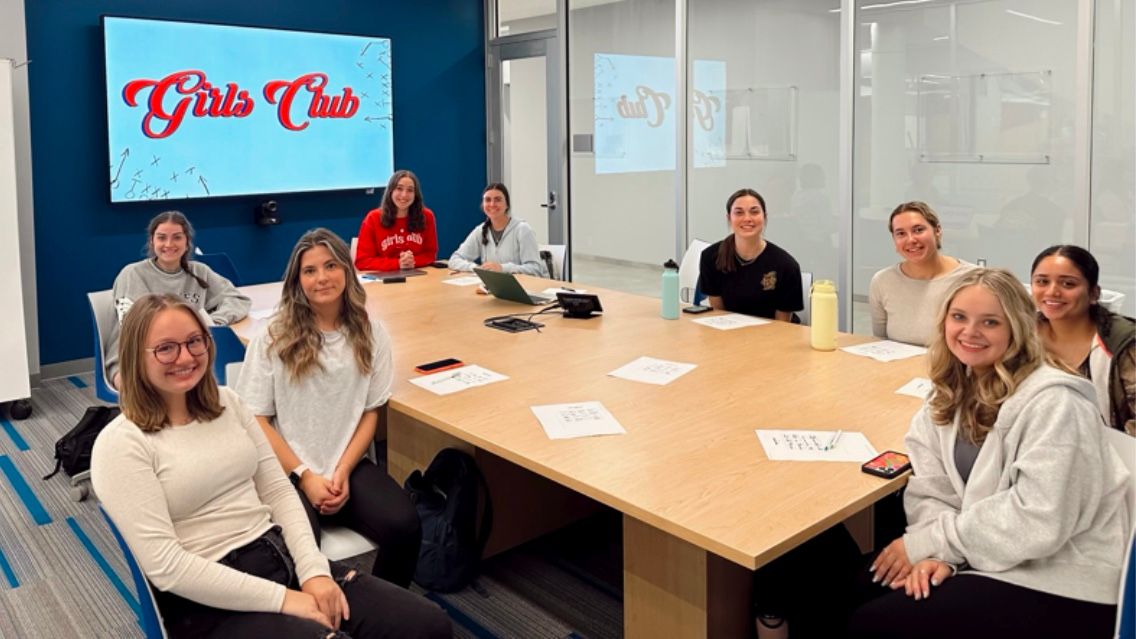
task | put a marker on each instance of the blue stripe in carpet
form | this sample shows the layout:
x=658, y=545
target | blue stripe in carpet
x=573, y=635
x=467, y=622
x=8, y=572
x=31, y=502
x=77, y=381
x=102, y=563
x=14, y=434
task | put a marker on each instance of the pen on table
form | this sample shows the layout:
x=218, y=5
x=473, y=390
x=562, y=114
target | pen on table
x=446, y=378
x=835, y=438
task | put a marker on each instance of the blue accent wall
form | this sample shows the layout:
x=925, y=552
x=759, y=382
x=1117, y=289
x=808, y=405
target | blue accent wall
x=82, y=241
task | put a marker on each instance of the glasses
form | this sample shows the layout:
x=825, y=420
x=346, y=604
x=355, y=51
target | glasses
x=169, y=352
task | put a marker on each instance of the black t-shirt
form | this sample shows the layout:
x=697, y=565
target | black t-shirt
x=770, y=283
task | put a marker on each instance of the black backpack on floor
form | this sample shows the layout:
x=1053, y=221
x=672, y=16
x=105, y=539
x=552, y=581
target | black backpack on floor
x=73, y=450
x=451, y=496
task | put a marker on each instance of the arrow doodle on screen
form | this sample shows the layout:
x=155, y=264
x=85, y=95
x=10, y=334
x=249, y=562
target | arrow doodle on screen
x=204, y=184
x=122, y=160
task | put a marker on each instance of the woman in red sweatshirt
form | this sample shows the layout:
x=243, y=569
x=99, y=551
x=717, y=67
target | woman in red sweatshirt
x=400, y=233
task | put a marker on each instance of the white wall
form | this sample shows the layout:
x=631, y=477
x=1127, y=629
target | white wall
x=13, y=44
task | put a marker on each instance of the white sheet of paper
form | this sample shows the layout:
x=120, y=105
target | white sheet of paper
x=582, y=419
x=262, y=313
x=652, y=371
x=552, y=291
x=457, y=379
x=731, y=321
x=468, y=280
x=885, y=350
x=918, y=387
x=808, y=445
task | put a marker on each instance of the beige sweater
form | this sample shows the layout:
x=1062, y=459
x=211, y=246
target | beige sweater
x=903, y=308
x=1046, y=503
x=185, y=496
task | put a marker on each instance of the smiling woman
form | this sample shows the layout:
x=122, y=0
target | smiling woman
x=745, y=273
x=168, y=269
x=904, y=298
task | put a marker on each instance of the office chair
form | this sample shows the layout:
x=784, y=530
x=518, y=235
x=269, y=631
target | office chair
x=103, y=320
x=149, y=619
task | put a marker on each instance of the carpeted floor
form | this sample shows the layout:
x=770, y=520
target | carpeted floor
x=62, y=574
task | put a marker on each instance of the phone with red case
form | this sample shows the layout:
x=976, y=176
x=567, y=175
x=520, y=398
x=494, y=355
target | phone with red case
x=887, y=464
x=440, y=365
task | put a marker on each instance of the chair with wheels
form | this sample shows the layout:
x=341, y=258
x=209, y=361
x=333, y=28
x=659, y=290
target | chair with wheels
x=1125, y=447
x=103, y=320
x=229, y=350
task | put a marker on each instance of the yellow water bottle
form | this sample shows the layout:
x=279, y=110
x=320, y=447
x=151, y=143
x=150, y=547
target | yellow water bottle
x=822, y=298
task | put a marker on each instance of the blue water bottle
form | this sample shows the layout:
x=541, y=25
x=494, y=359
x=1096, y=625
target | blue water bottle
x=670, y=290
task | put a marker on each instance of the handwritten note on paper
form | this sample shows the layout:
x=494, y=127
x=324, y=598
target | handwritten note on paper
x=582, y=419
x=920, y=387
x=468, y=280
x=452, y=381
x=731, y=321
x=810, y=445
x=652, y=371
x=885, y=350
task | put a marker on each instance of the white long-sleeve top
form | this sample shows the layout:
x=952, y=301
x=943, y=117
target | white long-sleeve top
x=185, y=496
x=1046, y=504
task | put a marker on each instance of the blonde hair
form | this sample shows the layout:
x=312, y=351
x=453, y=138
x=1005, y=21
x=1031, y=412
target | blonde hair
x=976, y=398
x=140, y=401
x=295, y=338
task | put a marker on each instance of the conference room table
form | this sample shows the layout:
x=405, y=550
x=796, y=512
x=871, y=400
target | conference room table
x=702, y=505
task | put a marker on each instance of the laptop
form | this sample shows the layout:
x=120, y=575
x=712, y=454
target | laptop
x=506, y=287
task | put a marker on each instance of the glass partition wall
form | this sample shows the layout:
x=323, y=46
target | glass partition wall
x=1013, y=119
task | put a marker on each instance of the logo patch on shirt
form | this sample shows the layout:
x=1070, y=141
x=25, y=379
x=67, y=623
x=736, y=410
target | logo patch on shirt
x=769, y=281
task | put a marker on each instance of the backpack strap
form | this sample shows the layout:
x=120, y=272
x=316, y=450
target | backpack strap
x=486, y=512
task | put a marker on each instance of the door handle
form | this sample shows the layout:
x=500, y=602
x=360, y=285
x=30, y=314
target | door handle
x=551, y=203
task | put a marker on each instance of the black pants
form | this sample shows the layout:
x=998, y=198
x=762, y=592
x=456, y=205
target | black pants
x=378, y=609
x=810, y=585
x=380, y=510
x=977, y=607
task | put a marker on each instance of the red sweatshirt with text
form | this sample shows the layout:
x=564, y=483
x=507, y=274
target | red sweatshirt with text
x=380, y=247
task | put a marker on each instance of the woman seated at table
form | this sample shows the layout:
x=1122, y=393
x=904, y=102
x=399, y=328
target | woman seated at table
x=745, y=273
x=315, y=379
x=1017, y=509
x=169, y=269
x=193, y=485
x=904, y=298
x=1084, y=335
x=502, y=242
x=401, y=232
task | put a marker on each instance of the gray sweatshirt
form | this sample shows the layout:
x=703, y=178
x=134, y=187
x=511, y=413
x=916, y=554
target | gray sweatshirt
x=517, y=252
x=1046, y=504
x=221, y=301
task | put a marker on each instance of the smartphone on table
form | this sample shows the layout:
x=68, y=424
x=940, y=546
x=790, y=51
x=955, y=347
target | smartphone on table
x=695, y=310
x=440, y=365
x=887, y=464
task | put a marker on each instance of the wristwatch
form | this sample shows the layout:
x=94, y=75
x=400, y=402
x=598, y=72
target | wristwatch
x=298, y=472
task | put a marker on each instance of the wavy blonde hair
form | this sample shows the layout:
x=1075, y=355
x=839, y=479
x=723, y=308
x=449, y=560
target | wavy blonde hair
x=295, y=338
x=140, y=401
x=977, y=397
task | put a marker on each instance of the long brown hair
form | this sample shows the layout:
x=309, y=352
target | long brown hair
x=977, y=397
x=140, y=401
x=728, y=251
x=179, y=218
x=294, y=335
x=415, y=219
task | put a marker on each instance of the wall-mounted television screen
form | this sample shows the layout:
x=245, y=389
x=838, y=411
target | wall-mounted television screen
x=206, y=110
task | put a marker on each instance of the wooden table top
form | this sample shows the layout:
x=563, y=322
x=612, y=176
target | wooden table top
x=690, y=463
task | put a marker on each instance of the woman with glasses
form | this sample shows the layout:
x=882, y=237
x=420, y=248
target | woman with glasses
x=502, y=242
x=169, y=269
x=905, y=297
x=745, y=273
x=197, y=492
x=316, y=379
